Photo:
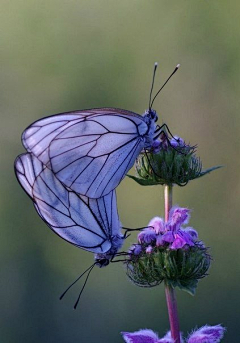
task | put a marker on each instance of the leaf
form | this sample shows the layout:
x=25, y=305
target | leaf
x=144, y=182
x=188, y=286
x=209, y=170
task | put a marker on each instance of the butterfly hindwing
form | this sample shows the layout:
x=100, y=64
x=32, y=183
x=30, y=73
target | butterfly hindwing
x=89, y=224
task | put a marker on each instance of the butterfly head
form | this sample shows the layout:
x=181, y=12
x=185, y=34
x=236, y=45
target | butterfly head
x=151, y=114
x=103, y=259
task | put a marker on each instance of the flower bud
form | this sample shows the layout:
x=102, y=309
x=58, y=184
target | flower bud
x=169, y=161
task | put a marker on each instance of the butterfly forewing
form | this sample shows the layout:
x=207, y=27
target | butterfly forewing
x=89, y=151
x=86, y=223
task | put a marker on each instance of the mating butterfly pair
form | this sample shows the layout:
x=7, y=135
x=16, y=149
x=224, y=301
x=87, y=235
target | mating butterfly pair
x=74, y=163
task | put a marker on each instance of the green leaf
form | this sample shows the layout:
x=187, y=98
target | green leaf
x=188, y=286
x=144, y=182
x=209, y=170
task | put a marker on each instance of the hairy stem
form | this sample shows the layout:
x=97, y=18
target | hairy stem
x=169, y=290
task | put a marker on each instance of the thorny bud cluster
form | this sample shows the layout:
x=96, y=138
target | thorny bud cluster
x=169, y=161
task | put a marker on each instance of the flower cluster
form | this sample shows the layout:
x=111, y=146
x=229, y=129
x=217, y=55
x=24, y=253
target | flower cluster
x=169, y=252
x=170, y=234
x=164, y=143
x=206, y=334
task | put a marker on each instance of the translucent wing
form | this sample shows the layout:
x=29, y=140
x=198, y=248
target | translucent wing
x=93, y=150
x=37, y=137
x=90, y=224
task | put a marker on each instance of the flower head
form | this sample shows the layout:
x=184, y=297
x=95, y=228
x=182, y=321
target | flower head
x=167, y=251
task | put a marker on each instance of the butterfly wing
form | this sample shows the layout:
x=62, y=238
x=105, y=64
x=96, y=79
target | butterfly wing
x=76, y=219
x=91, y=154
x=37, y=137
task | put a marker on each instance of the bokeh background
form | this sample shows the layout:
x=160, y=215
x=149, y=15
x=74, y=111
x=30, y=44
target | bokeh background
x=61, y=55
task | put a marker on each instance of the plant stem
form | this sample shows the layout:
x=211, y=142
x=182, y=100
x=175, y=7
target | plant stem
x=169, y=290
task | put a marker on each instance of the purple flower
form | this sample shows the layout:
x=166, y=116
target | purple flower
x=207, y=334
x=177, y=239
x=170, y=234
x=141, y=336
x=181, y=238
x=147, y=336
x=135, y=249
x=193, y=233
x=157, y=224
x=177, y=142
x=156, y=146
x=159, y=240
x=147, y=236
x=149, y=249
x=178, y=216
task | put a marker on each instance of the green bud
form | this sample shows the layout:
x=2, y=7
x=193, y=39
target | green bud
x=169, y=165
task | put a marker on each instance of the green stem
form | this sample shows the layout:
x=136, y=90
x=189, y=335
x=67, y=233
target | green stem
x=169, y=290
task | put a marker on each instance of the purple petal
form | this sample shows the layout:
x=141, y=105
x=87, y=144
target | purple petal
x=207, y=334
x=159, y=241
x=191, y=232
x=185, y=236
x=181, y=238
x=168, y=237
x=149, y=249
x=178, y=243
x=177, y=142
x=157, y=224
x=177, y=217
x=141, y=336
x=135, y=249
x=156, y=146
x=147, y=236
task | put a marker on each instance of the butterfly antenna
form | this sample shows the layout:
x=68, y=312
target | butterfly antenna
x=154, y=73
x=164, y=84
x=91, y=267
x=85, y=282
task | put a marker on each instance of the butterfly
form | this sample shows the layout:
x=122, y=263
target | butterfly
x=89, y=224
x=90, y=151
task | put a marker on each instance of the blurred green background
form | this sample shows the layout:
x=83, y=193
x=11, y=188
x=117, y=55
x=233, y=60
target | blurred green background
x=59, y=56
